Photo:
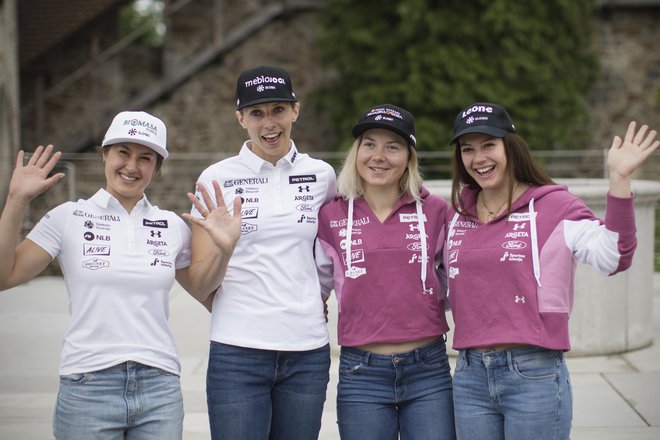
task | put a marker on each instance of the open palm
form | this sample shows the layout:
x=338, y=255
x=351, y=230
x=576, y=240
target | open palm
x=627, y=154
x=223, y=227
x=31, y=179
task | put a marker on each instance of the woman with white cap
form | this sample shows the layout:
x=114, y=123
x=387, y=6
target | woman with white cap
x=119, y=368
x=383, y=236
x=269, y=355
x=514, y=240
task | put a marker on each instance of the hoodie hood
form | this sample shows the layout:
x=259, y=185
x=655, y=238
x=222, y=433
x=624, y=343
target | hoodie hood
x=469, y=195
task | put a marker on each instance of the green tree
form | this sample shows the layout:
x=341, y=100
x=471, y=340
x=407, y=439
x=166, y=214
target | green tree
x=434, y=57
x=145, y=17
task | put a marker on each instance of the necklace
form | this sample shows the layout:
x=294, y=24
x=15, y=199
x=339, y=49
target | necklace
x=492, y=213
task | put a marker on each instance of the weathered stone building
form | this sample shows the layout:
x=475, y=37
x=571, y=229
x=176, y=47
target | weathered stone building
x=75, y=74
x=9, y=106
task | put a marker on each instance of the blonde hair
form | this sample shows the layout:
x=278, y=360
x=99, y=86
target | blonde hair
x=351, y=185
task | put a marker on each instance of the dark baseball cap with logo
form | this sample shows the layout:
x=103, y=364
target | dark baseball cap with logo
x=263, y=84
x=389, y=117
x=483, y=117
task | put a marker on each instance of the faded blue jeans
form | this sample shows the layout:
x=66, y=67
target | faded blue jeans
x=129, y=401
x=380, y=397
x=266, y=395
x=519, y=394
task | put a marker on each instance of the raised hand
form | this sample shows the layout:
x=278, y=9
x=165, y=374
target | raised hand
x=627, y=154
x=223, y=227
x=31, y=179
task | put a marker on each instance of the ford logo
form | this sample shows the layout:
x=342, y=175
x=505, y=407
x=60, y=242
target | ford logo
x=416, y=247
x=514, y=244
x=159, y=252
x=304, y=207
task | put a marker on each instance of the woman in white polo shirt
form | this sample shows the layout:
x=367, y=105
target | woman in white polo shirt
x=269, y=355
x=119, y=369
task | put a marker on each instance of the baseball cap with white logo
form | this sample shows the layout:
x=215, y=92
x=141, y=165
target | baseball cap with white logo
x=263, y=84
x=139, y=128
x=389, y=117
x=483, y=117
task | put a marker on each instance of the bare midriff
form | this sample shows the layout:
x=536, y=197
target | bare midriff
x=400, y=347
x=499, y=347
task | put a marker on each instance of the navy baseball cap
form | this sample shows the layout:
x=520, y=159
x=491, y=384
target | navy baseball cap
x=263, y=84
x=389, y=117
x=483, y=117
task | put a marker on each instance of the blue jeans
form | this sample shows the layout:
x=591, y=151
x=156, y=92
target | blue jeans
x=266, y=395
x=129, y=401
x=524, y=393
x=382, y=396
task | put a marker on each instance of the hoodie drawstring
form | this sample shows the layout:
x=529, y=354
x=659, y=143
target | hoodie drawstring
x=535, y=244
x=349, y=237
x=422, y=242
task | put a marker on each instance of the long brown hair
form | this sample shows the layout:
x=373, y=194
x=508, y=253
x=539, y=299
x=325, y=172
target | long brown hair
x=520, y=167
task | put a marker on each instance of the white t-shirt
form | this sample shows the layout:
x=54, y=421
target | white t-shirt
x=118, y=269
x=271, y=298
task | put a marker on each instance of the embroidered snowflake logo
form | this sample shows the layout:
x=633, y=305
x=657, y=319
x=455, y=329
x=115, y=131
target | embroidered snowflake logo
x=260, y=88
x=132, y=132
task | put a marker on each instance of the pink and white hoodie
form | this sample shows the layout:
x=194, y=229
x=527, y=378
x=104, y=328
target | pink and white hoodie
x=388, y=290
x=511, y=280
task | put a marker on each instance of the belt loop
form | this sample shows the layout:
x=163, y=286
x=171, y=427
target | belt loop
x=418, y=358
x=367, y=355
x=509, y=360
x=464, y=355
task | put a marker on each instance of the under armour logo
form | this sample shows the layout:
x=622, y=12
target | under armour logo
x=520, y=299
x=303, y=188
x=519, y=226
x=428, y=290
x=156, y=234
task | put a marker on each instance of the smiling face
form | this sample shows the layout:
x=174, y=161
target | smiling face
x=484, y=160
x=269, y=127
x=382, y=158
x=129, y=169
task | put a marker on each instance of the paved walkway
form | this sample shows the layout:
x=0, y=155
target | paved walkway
x=616, y=397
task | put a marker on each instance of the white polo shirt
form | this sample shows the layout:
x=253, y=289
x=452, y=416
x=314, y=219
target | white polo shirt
x=271, y=298
x=118, y=269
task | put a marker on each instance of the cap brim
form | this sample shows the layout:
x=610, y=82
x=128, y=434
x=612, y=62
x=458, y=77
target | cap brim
x=157, y=148
x=360, y=128
x=484, y=129
x=265, y=100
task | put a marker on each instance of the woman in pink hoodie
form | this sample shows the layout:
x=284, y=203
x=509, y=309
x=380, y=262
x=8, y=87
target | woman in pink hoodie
x=514, y=239
x=384, y=235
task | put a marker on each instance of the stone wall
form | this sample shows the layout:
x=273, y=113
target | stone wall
x=200, y=113
x=9, y=98
x=628, y=86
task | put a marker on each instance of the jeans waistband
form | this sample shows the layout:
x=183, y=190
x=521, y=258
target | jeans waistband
x=507, y=357
x=129, y=364
x=408, y=357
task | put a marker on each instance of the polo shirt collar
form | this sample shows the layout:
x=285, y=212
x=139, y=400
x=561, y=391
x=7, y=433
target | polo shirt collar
x=104, y=200
x=255, y=163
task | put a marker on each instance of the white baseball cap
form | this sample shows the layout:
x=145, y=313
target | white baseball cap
x=140, y=128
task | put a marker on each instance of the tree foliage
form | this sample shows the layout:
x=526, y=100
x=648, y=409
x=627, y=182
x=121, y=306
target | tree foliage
x=145, y=17
x=434, y=57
